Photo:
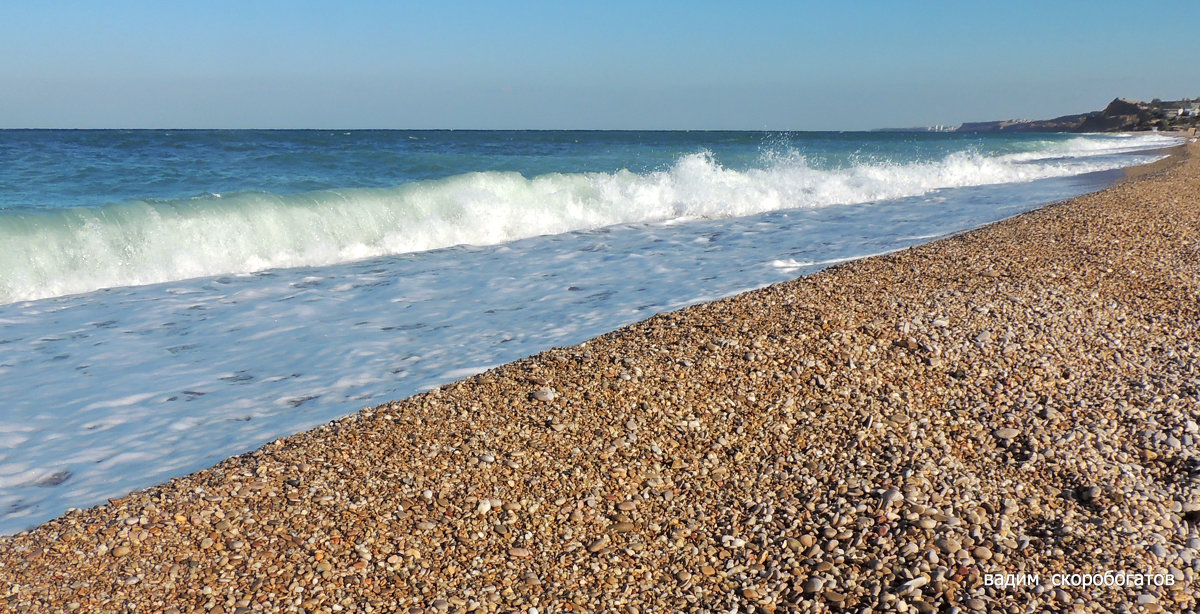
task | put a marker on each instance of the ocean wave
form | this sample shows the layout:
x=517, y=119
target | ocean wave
x=56, y=252
x=1093, y=145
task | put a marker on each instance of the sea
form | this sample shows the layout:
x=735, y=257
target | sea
x=170, y=298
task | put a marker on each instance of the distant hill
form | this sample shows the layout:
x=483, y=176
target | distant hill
x=1121, y=115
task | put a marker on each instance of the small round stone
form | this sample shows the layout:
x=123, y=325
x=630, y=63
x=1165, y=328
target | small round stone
x=948, y=545
x=1006, y=433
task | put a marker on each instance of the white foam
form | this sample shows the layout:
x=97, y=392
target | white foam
x=791, y=264
x=132, y=399
x=1096, y=145
x=68, y=251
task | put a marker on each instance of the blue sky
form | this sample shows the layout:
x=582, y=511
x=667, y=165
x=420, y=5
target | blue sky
x=638, y=65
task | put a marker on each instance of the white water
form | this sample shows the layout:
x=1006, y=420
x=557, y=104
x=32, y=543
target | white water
x=56, y=252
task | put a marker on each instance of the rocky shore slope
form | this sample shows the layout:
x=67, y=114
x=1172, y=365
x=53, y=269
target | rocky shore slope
x=908, y=433
x=1121, y=115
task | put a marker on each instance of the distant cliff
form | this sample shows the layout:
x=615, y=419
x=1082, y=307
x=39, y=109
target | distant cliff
x=1121, y=115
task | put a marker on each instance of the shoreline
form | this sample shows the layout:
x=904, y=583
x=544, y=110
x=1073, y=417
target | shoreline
x=1175, y=155
x=709, y=458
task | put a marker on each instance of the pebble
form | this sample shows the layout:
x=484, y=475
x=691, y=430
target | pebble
x=1006, y=433
x=545, y=394
x=948, y=545
x=730, y=541
x=922, y=606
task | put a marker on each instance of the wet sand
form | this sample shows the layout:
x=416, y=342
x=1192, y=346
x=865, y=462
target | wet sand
x=892, y=434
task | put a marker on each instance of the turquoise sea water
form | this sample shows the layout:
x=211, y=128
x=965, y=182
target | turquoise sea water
x=170, y=298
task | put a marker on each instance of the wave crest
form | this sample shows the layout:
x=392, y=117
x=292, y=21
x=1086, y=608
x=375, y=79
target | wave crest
x=66, y=251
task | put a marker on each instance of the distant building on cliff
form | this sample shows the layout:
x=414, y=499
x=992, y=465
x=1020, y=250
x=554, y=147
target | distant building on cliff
x=1121, y=115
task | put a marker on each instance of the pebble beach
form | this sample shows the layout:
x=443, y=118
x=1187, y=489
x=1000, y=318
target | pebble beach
x=889, y=435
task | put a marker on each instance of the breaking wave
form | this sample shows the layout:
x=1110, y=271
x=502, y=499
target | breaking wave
x=55, y=252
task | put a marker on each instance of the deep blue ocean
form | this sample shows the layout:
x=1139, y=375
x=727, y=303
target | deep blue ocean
x=171, y=298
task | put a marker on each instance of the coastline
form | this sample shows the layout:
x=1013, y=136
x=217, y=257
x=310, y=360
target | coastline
x=1174, y=155
x=710, y=458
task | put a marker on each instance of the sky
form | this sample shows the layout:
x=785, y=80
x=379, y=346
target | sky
x=583, y=65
